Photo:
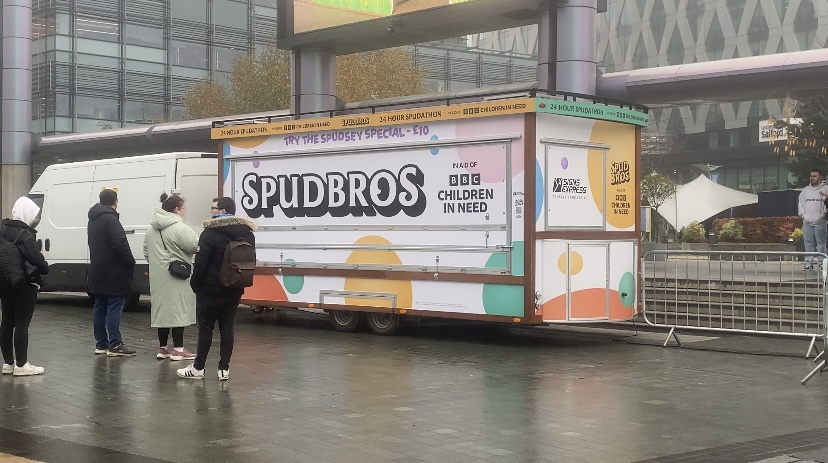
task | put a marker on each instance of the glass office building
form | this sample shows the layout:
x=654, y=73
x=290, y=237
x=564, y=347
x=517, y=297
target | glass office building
x=636, y=34
x=100, y=64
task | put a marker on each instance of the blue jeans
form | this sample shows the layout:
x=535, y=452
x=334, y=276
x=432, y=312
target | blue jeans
x=106, y=320
x=815, y=236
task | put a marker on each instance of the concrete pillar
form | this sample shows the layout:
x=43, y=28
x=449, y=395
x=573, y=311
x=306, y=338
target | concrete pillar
x=577, y=68
x=547, y=45
x=15, y=102
x=313, y=82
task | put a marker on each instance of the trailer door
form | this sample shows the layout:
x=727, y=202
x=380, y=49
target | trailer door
x=586, y=300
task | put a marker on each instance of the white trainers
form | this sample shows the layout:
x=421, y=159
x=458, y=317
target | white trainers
x=190, y=372
x=223, y=375
x=28, y=370
x=7, y=369
x=101, y=351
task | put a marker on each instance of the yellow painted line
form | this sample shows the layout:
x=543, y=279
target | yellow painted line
x=431, y=114
x=6, y=458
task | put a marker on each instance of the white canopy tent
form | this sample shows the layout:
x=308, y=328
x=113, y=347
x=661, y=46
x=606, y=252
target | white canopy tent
x=701, y=199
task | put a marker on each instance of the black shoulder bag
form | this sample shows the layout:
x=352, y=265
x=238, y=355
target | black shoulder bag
x=178, y=268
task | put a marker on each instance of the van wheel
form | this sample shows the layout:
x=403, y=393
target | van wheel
x=131, y=304
x=384, y=324
x=345, y=321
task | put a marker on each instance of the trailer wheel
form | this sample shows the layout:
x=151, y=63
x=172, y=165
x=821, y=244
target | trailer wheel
x=384, y=324
x=345, y=321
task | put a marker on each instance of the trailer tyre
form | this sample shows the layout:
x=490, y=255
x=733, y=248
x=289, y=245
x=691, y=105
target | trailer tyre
x=345, y=321
x=384, y=324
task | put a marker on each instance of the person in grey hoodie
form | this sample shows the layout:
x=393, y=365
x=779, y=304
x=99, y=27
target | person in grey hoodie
x=812, y=211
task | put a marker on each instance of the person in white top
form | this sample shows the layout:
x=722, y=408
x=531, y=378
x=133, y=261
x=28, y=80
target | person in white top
x=812, y=211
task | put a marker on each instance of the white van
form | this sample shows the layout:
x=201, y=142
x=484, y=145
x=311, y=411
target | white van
x=65, y=192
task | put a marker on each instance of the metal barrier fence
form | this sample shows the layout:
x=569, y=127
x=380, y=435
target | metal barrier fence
x=736, y=291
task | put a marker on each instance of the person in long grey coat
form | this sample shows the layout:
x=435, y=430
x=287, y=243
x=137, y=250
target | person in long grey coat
x=173, y=301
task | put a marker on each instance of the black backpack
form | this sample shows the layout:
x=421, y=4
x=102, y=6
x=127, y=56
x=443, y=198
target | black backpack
x=238, y=264
x=12, y=274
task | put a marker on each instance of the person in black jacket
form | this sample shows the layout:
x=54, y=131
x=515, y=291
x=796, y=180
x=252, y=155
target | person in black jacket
x=213, y=301
x=111, y=265
x=18, y=304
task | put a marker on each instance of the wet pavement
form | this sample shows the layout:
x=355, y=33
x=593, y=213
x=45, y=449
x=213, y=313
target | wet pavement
x=301, y=392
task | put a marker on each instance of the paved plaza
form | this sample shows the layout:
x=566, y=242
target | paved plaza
x=301, y=392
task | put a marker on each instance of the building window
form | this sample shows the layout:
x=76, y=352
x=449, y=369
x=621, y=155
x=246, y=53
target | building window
x=96, y=108
x=640, y=56
x=98, y=47
x=190, y=10
x=143, y=112
x=188, y=54
x=143, y=36
x=42, y=26
x=735, y=138
x=230, y=14
x=225, y=58
x=97, y=29
x=713, y=140
x=744, y=179
x=98, y=61
x=805, y=39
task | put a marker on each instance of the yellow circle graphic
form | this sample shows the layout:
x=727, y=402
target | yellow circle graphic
x=247, y=143
x=400, y=288
x=575, y=260
x=621, y=188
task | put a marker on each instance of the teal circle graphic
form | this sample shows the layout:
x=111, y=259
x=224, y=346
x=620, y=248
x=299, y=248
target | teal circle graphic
x=626, y=289
x=505, y=299
x=293, y=283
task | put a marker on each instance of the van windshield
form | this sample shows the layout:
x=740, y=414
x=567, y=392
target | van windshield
x=37, y=199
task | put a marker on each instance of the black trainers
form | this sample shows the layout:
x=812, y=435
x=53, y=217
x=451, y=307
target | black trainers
x=808, y=267
x=120, y=351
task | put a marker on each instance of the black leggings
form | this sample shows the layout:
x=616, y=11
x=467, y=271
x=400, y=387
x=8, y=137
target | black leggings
x=17, y=310
x=164, y=336
x=208, y=312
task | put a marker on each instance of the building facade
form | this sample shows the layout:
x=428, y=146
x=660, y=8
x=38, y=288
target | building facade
x=636, y=34
x=100, y=64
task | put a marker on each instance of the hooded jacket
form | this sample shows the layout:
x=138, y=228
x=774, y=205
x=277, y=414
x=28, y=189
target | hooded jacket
x=168, y=239
x=811, y=207
x=111, y=263
x=217, y=233
x=24, y=213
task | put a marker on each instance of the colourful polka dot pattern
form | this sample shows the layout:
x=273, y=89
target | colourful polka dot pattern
x=505, y=299
x=626, y=289
x=576, y=262
x=293, y=283
x=401, y=288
